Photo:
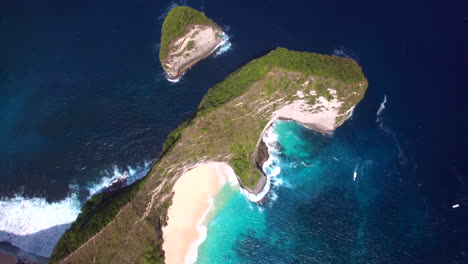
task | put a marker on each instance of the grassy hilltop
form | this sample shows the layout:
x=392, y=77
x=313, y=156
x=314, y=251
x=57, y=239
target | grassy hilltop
x=225, y=128
x=176, y=24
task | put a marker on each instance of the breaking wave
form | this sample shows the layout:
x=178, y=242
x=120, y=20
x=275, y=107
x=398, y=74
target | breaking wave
x=111, y=177
x=35, y=225
x=224, y=45
x=22, y=220
x=175, y=80
x=192, y=253
x=271, y=167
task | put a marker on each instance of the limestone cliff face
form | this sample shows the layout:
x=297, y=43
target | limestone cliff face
x=187, y=36
x=316, y=90
x=198, y=43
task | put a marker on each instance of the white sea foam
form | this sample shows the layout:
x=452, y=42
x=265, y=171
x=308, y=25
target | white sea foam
x=381, y=108
x=231, y=176
x=192, y=253
x=18, y=214
x=278, y=182
x=256, y=198
x=110, y=177
x=274, y=196
x=350, y=113
x=35, y=225
x=224, y=45
x=270, y=167
x=401, y=155
x=341, y=53
x=221, y=48
x=23, y=219
x=270, y=138
x=176, y=80
x=273, y=170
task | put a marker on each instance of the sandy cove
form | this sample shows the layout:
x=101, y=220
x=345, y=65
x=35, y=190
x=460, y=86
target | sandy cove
x=193, y=198
x=194, y=191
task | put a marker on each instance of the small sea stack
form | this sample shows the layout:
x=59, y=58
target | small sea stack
x=187, y=37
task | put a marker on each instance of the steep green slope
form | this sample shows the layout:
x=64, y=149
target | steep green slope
x=225, y=128
x=176, y=25
x=96, y=213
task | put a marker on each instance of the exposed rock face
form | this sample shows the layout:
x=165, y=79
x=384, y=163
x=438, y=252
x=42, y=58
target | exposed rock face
x=198, y=43
x=261, y=155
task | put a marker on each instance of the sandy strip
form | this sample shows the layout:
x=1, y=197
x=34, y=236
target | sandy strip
x=193, y=199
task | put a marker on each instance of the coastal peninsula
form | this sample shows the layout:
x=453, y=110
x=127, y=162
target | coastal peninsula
x=221, y=143
x=187, y=37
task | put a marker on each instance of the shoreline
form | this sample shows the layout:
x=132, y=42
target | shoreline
x=192, y=252
x=193, y=200
x=263, y=185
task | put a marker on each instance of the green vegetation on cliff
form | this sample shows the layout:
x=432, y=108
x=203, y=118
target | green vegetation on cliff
x=176, y=24
x=309, y=64
x=225, y=128
x=96, y=213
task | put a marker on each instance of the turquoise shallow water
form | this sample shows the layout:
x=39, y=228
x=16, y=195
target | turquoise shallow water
x=315, y=211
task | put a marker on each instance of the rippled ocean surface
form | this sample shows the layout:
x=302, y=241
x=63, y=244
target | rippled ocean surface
x=83, y=103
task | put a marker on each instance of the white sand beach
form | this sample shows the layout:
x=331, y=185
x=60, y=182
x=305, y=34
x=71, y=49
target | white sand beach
x=193, y=198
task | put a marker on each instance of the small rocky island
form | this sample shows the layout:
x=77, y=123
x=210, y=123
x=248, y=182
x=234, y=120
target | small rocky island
x=126, y=226
x=187, y=37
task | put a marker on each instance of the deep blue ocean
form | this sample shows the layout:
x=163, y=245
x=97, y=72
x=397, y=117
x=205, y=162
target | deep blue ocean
x=84, y=102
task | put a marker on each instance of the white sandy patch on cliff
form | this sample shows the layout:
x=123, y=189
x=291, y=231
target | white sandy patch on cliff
x=300, y=94
x=204, y=40
x=322, y=115
x=193, y=199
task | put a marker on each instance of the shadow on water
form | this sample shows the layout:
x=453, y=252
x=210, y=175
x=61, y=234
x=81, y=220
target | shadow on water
x=39, y=242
